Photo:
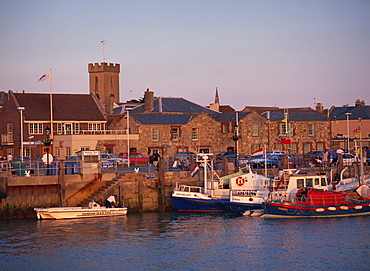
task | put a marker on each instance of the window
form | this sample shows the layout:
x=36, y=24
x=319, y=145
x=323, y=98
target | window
x=205, y=149
x=300, y=183
x=255, y=147
x=293, y=147
x=155, y=134
x=9, y=132
x=320, y=146
x=317, y=181
x=9, y=128
x=286, y=129
x=94, y=126
x=85, y=148
x=279, y=147
x=323, y=182
x=255, y=129
x=224, y=128
x=27, y=152
x=194, y=134
x=306, y=147
x=35, y=128
x=68, y=151
x=309, y=182
x=311, y=129
x=175, y=133
x=77, y=128
x=59, y=128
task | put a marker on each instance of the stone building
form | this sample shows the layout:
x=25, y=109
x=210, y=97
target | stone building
x=350, y=125
x=298, y=130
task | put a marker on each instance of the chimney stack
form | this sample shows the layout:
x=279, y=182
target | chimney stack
x=319, y=107
x=149, y=100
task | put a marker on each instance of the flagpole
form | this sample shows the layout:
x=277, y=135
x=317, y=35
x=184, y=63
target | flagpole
x=361, y=152
x=51, y=104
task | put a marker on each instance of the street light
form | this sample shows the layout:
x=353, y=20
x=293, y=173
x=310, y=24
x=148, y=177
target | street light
x=21, y=108
x=30, y=137
x=347, y=115
x=128, y=137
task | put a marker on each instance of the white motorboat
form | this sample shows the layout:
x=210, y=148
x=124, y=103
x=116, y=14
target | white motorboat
x=93, y=210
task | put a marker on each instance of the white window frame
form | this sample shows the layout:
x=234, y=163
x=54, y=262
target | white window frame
x=255, y=129
x=155, y=134
x=36, y=128
x=311, y=129
x=194, y=134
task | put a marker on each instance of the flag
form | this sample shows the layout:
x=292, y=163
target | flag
x=286, y=140
x=257, y=152
x=44, y=77
x=195, y=170
x=356, y=131
x=284, y=120
x=357, y=135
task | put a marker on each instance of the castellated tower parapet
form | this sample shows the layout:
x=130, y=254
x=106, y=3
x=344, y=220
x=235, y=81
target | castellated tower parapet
x=104, y=67
x=104, y=83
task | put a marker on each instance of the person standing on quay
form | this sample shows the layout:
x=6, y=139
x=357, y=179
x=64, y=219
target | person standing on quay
x=325, y=158
x=153, y=161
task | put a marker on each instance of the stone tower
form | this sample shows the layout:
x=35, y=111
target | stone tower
x=104, y=83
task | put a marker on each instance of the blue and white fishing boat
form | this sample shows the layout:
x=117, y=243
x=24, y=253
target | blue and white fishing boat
x=209, y=198
x=248, y=191
x=236, y=192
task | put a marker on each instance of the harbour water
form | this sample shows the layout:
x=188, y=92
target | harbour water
x=174, y=241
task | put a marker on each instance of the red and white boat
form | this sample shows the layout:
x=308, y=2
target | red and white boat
x=315, y=203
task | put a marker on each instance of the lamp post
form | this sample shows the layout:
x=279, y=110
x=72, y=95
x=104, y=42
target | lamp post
x=347, y=115
x=30, y=137
x=47, y=143
x=128, y=137
x=235, y=138
x=21, y=109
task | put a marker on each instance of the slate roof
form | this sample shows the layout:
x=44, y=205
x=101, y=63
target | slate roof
x=229, y=117
x=361, y=111
x=174, y=105
x=163, y=119
x=296, y=115
x=66, y=107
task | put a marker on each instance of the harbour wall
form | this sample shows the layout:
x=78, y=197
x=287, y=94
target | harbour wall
x=140, y=192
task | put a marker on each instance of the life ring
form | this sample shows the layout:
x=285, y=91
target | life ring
x=239, y=181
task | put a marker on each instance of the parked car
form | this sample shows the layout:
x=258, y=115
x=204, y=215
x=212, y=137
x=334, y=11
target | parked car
x=230, y=156
x=349, y=159
x=136, y=158
x=113, y=157
x=276, y=161
x=72, y=159
x=184, y=155
x=25, y=159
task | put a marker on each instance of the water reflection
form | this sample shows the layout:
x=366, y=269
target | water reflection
x=167, y=241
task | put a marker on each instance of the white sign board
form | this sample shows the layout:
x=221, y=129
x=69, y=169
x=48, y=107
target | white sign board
x=45, y=158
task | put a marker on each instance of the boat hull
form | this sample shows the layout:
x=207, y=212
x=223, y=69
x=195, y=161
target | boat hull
x=78, y=212
x=240, y=208
x=183, y=204
x=292, y=210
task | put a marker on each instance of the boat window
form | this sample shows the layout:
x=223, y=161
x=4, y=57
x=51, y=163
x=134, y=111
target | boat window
x=309, y=182
x=300, y=183
x=317, y=181
x=194, y=189
x=323, y=182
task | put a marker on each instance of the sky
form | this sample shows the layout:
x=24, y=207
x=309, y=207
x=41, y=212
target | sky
x=256, y=52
